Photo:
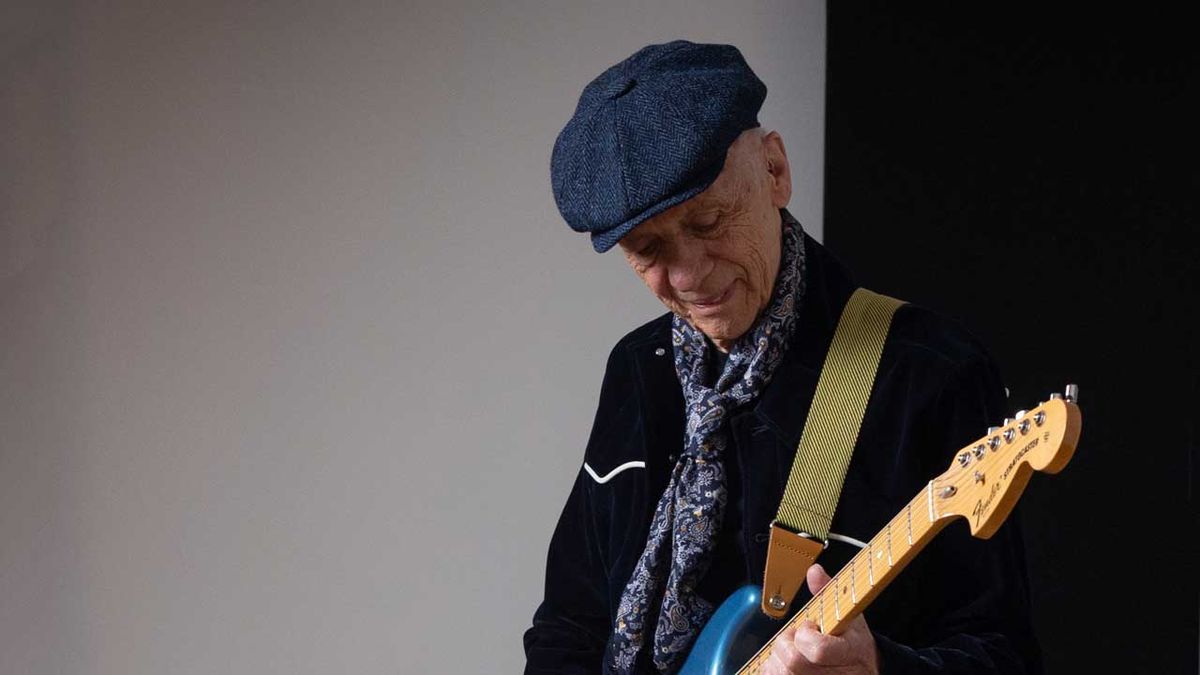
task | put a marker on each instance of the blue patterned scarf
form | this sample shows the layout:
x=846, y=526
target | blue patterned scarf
x=683, y=532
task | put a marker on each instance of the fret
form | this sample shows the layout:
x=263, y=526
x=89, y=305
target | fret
x=889, y=538
x=837, y=605
x=909, y=511
x=870, y=571
x=821, y=618
x=853, y=592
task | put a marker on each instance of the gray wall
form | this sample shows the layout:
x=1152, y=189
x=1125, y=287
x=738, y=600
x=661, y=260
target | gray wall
x=297, y=358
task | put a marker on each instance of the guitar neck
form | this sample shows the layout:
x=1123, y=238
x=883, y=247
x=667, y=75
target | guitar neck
x=866, y=574
x=984, y=481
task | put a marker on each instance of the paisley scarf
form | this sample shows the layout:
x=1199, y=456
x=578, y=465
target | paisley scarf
x=660, y=598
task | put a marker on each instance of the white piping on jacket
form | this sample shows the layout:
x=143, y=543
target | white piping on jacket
x=607, y=477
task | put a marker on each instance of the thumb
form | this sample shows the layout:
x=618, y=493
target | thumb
x=817, y=578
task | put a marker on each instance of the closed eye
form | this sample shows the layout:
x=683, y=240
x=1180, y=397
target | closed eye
x=648, y=250
x=705, y=227
x=705, y=220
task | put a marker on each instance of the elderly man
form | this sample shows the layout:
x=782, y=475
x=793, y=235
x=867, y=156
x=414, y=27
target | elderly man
x=702, y=408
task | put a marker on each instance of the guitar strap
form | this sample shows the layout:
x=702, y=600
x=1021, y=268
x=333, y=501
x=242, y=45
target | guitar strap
x=800, y=530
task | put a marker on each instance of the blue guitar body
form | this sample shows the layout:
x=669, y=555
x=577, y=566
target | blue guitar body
x=735, y=633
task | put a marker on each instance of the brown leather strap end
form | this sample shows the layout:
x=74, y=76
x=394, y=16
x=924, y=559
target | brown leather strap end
x=789, y=556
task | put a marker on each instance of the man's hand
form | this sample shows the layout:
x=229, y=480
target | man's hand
x=807, y=650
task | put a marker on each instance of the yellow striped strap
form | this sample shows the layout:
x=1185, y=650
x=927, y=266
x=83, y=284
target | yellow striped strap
x=836, y=414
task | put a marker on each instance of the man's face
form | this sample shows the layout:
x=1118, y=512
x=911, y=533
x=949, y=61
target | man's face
x=713, y=258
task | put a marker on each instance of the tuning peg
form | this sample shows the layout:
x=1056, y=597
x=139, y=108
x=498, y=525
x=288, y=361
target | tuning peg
x=1055, y=396
x=1007, y=421
x=994, y=441
x=1021, y=414
x=1071, y=393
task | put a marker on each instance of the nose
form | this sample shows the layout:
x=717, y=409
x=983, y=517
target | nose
x=689, y=266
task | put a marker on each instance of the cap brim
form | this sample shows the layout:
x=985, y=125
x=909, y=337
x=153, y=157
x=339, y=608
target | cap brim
x=603, y=241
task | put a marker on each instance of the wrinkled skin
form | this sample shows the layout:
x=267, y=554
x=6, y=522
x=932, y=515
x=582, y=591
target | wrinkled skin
x=713, y=258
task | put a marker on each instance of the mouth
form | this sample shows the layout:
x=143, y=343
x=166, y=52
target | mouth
x=712, y=303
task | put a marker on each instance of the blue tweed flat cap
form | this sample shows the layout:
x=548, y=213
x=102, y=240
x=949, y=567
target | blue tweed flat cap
x=649, y=133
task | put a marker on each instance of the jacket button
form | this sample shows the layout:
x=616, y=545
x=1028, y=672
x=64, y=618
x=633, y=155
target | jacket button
x=660, y=352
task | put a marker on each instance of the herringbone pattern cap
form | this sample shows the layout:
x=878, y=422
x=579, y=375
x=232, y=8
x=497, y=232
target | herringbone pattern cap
x=649, y=133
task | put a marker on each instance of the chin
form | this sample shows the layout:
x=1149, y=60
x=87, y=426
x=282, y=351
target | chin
x=720, y=330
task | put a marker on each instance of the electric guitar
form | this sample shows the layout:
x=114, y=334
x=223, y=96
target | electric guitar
x=984, y=481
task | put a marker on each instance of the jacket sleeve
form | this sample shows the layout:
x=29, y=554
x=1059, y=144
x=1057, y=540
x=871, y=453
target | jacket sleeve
x=977, y=617
x=571, y=626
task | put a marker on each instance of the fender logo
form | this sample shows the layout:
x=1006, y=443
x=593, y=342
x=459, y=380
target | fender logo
x=983, y=506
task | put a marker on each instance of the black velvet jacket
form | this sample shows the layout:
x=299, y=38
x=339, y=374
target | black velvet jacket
x=960, y=607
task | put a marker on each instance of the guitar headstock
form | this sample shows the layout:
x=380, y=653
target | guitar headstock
x=986, y=477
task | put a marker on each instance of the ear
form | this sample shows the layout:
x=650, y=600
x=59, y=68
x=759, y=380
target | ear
x=778, y=167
